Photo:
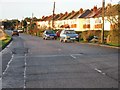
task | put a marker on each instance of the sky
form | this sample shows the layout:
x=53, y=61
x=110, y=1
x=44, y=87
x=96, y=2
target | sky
x=20, y=9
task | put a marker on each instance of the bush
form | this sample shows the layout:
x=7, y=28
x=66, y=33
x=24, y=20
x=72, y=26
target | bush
x=113, y=38
x=84, y=36
x=88, y=35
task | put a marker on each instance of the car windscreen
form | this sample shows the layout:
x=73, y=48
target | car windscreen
x=70, y=32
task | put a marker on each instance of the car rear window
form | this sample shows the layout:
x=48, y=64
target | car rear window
x=70, y=32
x=50, y=32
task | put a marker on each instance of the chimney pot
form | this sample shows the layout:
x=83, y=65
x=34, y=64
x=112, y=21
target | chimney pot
x=81, y=11
x=66, y=13
x=95, y=9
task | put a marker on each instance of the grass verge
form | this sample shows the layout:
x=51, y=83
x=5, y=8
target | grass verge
x=5, y=42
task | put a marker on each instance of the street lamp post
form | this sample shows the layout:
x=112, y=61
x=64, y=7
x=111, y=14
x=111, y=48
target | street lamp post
x=103, y=15
x=53, y=15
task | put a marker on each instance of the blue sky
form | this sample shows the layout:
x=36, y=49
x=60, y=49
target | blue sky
x=19, y=9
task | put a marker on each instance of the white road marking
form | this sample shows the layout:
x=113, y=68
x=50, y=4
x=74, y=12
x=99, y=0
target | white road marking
x=48, y=55
x=73, y=56
x=25, y=72
x=103, y=73
x=99, y=71
x=8, y=65
x=0, y=84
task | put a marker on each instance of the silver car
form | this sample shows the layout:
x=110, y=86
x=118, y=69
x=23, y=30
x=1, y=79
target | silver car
x=68, y=36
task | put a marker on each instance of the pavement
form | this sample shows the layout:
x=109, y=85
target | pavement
x=102, y=45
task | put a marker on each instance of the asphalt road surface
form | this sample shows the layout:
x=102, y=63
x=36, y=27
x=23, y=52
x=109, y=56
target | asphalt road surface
x=31, y=62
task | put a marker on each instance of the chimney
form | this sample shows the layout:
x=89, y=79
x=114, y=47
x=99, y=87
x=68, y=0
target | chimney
x=66, y=13
x=60, y=14
x=43, y=17
x=81, y=11
x=95, y=9
x=73, y=12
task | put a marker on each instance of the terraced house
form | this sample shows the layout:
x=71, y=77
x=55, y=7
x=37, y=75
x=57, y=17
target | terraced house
x=82, y=20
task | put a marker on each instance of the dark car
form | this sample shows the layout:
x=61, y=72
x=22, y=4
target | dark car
x=49, y=34
x=15, y=32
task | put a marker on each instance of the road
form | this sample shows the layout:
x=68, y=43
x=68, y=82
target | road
x=30, y=62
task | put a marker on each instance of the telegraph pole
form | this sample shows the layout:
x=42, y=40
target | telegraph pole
x=53, y=15
x=103, y=15
x=32, y=19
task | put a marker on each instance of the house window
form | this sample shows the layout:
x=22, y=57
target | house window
x=74, y=26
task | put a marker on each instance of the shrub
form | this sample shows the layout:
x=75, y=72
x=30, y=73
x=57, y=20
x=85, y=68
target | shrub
x=113, y=37
x=88, y=35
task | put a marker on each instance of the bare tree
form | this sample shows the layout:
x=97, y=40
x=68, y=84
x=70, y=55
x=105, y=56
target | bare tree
x=113, y=13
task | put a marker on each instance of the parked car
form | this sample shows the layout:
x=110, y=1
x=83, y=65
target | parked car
x=68, y=36
x=15, y=32
x=20, y=30
x=49, y=34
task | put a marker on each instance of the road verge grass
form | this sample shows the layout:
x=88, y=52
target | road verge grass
x=5, y=42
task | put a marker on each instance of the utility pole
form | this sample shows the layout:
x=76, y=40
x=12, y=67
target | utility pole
x=103, y=15
x=53, y=15
x=31, y=22
x=32, y=18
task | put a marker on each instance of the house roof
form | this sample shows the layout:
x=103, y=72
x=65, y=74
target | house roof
x=85, y=13
x=57, y=16
x=43, y=18
x=50, y=18
x=70, y=15
x=64, y=16
x=94, y=13
x=67, y=16
x=76, y=14
x=61, y=16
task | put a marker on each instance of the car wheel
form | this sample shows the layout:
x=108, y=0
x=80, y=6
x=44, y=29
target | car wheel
x=45, y=38
x=65, y=41
x=55, y=38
